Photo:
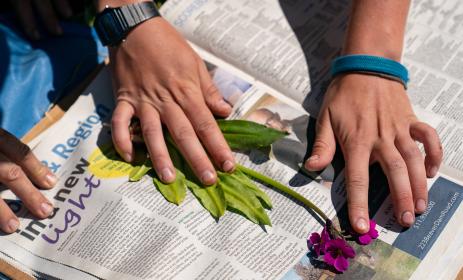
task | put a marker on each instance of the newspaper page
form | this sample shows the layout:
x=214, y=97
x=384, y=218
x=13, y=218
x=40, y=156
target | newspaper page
x=289, y=46
x=112, y=229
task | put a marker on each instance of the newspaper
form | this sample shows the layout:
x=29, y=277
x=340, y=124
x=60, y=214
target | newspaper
x=270, y=60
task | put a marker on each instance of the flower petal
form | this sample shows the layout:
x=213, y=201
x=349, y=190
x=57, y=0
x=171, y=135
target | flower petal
x=341, y=264
x=315, y=238
x=328, y=258
x=374, y=234
x=348, y=251
x=372, y=224
x=364, y=239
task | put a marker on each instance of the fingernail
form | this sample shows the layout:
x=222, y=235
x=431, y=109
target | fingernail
x=222, y=103
x=408, y=218
x=167, y=175
x=46, y=208
x=433, y=171
x=362, y=225
x=51, y=179
x=314, y=158
x=420, y=205
x=208, y=177
x=228, y=166
x=13, y=225
x=128, y=157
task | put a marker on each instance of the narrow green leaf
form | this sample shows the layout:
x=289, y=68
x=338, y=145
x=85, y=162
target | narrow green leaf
x=245, y=135
x=139, y=171
x=241, y=200
x=265, y=199
x=174, y=192
x=211, y=198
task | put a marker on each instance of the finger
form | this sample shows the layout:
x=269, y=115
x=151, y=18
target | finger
x=212, y=96
x=15, y=179
x=208, y=131
x=154, y=139
x=427, y=135
x=399, y=183
x=9, y=223
x=21, y=154
x=63, y=8
x=324, y=146
x=48, y=16
x=416, y=171
x=357, y=164
x=185, y=137
x=26, y=17
x=120, y=123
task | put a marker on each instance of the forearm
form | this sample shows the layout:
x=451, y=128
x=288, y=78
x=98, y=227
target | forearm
x=377, y=27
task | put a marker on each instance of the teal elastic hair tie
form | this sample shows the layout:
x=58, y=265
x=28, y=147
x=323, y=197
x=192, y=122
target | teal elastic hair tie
x=373, y=65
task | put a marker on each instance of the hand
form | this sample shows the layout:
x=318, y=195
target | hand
x=161, y=80
x=46, y=9
x=19, y=171
x=373, y=121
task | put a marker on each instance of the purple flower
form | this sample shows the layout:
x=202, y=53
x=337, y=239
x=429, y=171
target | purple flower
x=366, y=238
x=317, y=241
x=337, y=251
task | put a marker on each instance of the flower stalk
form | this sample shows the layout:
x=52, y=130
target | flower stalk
x=277, y=185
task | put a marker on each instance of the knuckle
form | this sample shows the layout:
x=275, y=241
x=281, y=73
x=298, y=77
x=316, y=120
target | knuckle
x=203, y=128
x=12, y=173
x=183, y=133
x=356, y=182
x=150, y=129
x=411, y=152
x=211, y=90
x=395, y=164
x=117, y=121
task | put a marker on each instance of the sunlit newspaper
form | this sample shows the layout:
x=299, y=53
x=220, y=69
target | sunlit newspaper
x=112, y=229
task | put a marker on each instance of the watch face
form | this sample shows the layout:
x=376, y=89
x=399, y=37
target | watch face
x=108, y=27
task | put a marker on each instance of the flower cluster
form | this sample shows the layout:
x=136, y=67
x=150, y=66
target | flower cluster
x=334, y=248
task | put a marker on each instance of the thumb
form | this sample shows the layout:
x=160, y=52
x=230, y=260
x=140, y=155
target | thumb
x=324, y=146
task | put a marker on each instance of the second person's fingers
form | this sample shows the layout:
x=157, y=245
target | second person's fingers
x=26, y=17
x=185, y=137
x=21, y=154
x=399, y=183
x=357, y=164
x=63, y=7
x=9, y=223
x=48, y=16
x=12, y=176
x=120, y=122
x=154, y=140
x=324, y=146
x=427, y=135
x=416, y=171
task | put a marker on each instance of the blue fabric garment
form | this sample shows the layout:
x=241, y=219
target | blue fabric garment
x=35, y=74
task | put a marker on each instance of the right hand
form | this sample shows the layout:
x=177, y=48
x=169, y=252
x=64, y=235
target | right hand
x=160, y=79
x=21, y=172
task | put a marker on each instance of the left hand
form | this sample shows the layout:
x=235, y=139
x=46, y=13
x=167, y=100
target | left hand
x=373, y=121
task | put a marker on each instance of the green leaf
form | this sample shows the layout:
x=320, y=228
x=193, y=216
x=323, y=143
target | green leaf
x=265, y=199
x=174, y=192
x=211, y=198
x=241, y=200
x=245, y=135
x=139, y=171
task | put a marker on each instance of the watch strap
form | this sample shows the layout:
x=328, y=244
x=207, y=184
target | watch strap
x=113, y=24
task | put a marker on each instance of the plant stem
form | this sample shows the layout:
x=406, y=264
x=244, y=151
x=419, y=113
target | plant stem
x=277, y=185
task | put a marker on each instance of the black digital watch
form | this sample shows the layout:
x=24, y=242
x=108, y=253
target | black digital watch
x=113, y=24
